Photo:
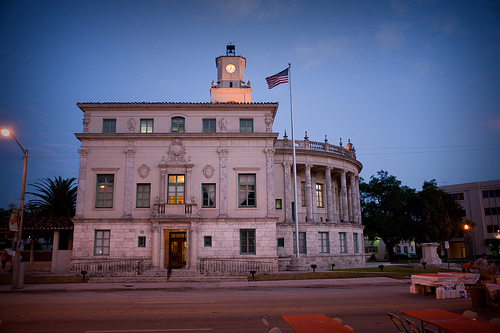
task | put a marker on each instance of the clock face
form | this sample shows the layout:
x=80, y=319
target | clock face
x=230, y=68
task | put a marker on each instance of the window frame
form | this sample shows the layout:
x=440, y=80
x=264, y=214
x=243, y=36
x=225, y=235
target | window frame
x=178, y=125
x=139, y=197
x=343, y=242
x=106, y=125
x=248, y=242
x=244, y=190
x=355, y=242
x=205, y=202
x=209, y=125
x=319, y=196
x=246, y=125
x=278, y=204
x=147, y=125
x=104, y=239
x=207, y=241
x=302, y=242
x=324, y=242
x=141, y=241
x=303, y=193
x=102, y=189
x=176, y=198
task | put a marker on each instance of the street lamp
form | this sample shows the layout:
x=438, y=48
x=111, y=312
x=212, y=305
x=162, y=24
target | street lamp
x=17, y=272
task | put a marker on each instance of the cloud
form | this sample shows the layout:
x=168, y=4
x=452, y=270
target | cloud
x=391, y=35
x=324, y=50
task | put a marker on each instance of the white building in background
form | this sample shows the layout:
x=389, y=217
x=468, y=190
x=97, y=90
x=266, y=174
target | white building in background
x=207, y=188
x=481, y=206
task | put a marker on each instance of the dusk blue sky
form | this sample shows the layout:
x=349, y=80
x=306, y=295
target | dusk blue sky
x=415, y=84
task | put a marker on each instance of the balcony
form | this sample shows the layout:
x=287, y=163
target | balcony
x=175, y=210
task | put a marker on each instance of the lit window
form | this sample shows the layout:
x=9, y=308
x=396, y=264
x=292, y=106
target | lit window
x=279, y=204
x=247, y=241
x=246, y=184
x=146, y=125
x=104, y=191
x=303, y=193
x=246, y=125
x=177, y=125
x=208, y=125
x=143, y=195
x=319, y=195
x=101, y=242
x=208, y=195
x=109, y=125
x=175, y=189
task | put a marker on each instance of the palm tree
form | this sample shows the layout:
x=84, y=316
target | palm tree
x=55, y=197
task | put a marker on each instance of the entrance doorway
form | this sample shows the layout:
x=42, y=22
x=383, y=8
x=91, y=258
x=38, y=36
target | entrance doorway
x=177, y=249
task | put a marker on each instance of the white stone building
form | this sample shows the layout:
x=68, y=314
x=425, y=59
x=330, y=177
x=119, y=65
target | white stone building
x=206, y=188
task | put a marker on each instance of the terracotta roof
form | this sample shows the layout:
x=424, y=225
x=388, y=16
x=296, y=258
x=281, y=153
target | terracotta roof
x=40, y=223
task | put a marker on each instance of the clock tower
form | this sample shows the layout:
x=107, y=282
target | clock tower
x=230, y=86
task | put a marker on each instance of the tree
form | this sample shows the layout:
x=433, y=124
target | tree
x=389, y=210
x=441, y=215
x=54, y=197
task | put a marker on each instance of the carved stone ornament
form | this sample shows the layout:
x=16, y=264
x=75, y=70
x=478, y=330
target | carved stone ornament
x=208, y=171
x=144, y=171
x=131, y=125
x=176, y=151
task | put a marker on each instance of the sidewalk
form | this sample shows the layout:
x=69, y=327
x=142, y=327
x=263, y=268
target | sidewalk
x=122, y=286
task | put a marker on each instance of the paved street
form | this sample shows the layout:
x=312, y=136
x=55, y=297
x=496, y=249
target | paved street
x=211, y=310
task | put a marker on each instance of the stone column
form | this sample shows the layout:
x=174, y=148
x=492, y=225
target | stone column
x=55, y=251
x=188, y=184
x=288, y=191
x=336, y=201
x=193, y=246
x=271, y=208
x=82, y=175
x=308, y=194
x=155, y=246
x=358, y=201
x=163, y=183
x=344, y=208
x=223, y=190
x=329, y=196
x=129, y=176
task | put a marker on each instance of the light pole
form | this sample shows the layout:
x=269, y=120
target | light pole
x=17, y=272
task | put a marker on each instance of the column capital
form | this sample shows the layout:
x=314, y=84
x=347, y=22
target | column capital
x=222, y=152
x=129, y=152
x=269, y=152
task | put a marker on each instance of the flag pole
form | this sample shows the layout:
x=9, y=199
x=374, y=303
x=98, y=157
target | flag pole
x=296, y=210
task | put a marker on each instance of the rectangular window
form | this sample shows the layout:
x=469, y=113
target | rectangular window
x=302, y=243
x=398, y=249
x=246, y=184
x=177, y=125
x=324, y=242
x=247, y=241
x=279, y=204
x=146, y=125
x=104, y=191
x=246, y=125
x=208, y=195
x=209, y=125
x=141, y=241
x=458, y=196
x=343, y=242
x=405, y=249
x=143, y=195
x=355, y=242
x=101, y=242
x=207, y=241
x=281, y=242
x=319, y=195
x=491, y=194
x=303, y=193
x=109, y=125
x=175, y=189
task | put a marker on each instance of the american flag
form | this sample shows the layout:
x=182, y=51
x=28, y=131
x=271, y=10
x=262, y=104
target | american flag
x=277, y=79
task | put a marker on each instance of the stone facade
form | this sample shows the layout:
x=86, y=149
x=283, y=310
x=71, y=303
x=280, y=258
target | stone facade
x=207, y=188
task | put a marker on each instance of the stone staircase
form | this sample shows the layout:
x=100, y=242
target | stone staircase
x=160, y=275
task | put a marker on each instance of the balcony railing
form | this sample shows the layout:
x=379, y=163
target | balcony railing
x=314, y=145
x=177, y=210
x=234, y=267
x=105, y=268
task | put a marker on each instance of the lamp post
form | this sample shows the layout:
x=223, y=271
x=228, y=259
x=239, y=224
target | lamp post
x=17, y=272
x=469, y=242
